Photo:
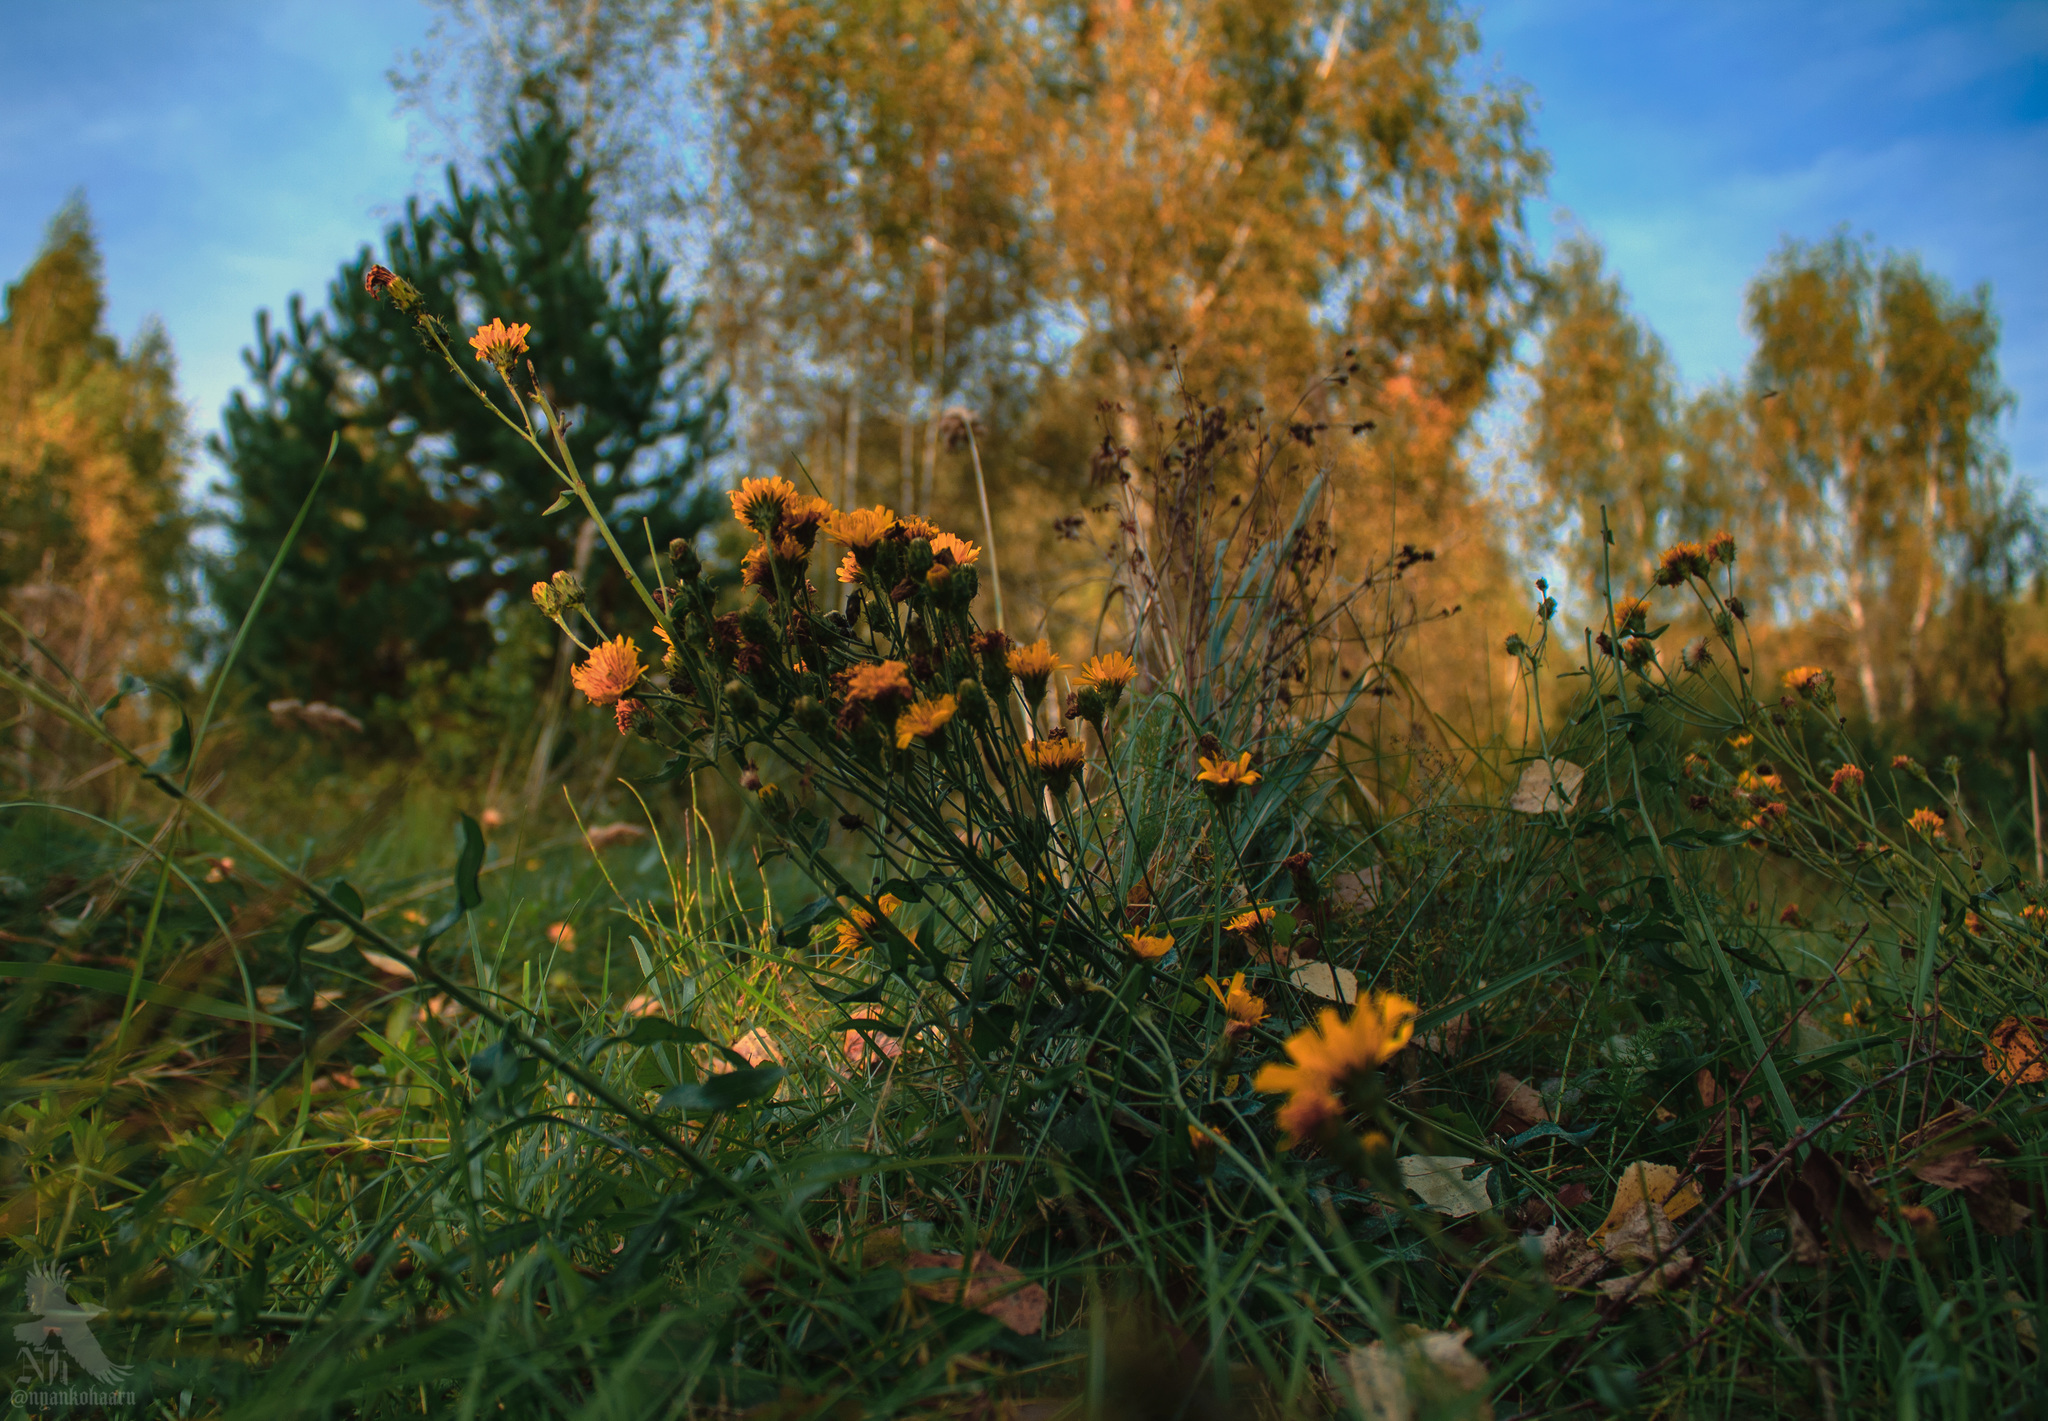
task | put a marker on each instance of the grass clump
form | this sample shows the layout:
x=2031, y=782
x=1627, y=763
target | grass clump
x=1143, y=1043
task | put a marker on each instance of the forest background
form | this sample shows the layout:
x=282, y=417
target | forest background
x=876, y=223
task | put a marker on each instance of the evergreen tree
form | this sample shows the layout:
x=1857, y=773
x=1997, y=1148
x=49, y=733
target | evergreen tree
x=433, y=515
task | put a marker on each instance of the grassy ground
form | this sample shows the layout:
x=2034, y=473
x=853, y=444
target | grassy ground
x=1723, y=1094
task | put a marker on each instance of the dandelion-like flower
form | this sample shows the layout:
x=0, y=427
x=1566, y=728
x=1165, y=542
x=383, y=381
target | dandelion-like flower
x=923, y=720
x=860, y=531
x=762, y=504
x=1721, y=547
x=2034, y=915
x=1057, y=759
x=499, y=344
x=1034, y=665
x=1926, y=823
x=1681, y=561
x=1696, y=655
x=952, y=545
x=848, y=570
x=1109, y=674
x=879, y=681
x=612, y=669
x=1810, y=682
x=1330, y=1057
x=1632, y=614
x=1149, y=947
x=1222, y=778
x=859, y=923
x=628, y=713
x=1243, y=1008
x=1845, y=780
x=1251, y=920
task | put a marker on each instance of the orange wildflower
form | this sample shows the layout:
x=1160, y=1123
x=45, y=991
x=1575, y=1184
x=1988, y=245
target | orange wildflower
x=923, y=720
x=1845, y=779
x=762, y=504
x=1224, y=778
x=612, y=669
x=1148, y=947
x=1329, y=1056
x=498, y=344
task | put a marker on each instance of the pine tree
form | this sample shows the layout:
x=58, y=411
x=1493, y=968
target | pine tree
x=434, y=514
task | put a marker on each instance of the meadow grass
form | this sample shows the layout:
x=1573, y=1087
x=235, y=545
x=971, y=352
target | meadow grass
x=1651, y=1063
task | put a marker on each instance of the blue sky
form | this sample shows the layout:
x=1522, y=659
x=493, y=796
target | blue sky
x=233, y=152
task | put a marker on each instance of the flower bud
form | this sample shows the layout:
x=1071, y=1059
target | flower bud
x=740, y=701
x=544, y=598
x=568, y=591
x=812, y=718
x=689, y=567
x=972, y=700
x=920, y=559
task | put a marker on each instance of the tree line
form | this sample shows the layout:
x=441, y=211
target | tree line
x=1040, y=222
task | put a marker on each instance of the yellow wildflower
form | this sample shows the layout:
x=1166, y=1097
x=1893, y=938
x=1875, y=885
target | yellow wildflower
x=853, y=932
x=923, y=720
x=1057, y=758
x=1224, y=778
x=612, y=669
x=1808, y=681
x=1926, y=823
x=1244, y=1010
x=1148, y=947
x=860, y=530
x=963, y=552
x=1847, y=778
x=762, y=504
x=1329, y=1056
x=1250, y=921
x=1109, y=673
x=879, y=681
x=1681, y=561
x=1632, y=614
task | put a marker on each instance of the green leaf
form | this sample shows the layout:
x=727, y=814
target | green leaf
x=95, y=979
x=657, y=1031
x=469, y=861
x=178, y=753
x=725, y=1092
x=561, y=502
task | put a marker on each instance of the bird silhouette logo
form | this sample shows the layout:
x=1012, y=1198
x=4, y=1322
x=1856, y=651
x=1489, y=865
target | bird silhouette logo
x=58, y=1316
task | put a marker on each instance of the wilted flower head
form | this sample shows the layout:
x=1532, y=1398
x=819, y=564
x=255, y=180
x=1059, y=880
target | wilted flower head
x=1151, y=948
x=923, y=720
x=1696, y=654
x=1810, y=682
x=1681, y=561
x=381, y=281
x=628, y=713
x=498, y=343
x=612, y=669
x=762, y=504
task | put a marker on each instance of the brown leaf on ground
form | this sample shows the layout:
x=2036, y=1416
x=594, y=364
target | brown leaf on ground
x=1422, y=1374
x=1830, y=1195
x=1675, y=1272
x=1521, y=1108
x=1995, y=1210
x=1547, y=786
x=1645, y=1234
x=1356, y=891
x=1450, y=1038
x=610, y=836
x=1573, y=1195
x=2014, y=1054
x=1568, y=1262
x=988, y=1286
x=1710, y=1090
x=1958, y=1170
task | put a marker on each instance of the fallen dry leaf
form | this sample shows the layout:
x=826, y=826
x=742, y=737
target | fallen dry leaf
x=1521, y=1108
x=1423, y=1373
x=1644, y=1234
x=1450, y=1038
x=1958, y=1170
x=855, y=1047
x=1568, y=1262
x=1332, y=984
x=1674, y=1273
x=1654, y=1183
x=2014, y=1053
x=988, y=1286
x=1441, y=1182
x=1829, y=1194
x=609, y=836
x=1547, y=786
x=1355, y=891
